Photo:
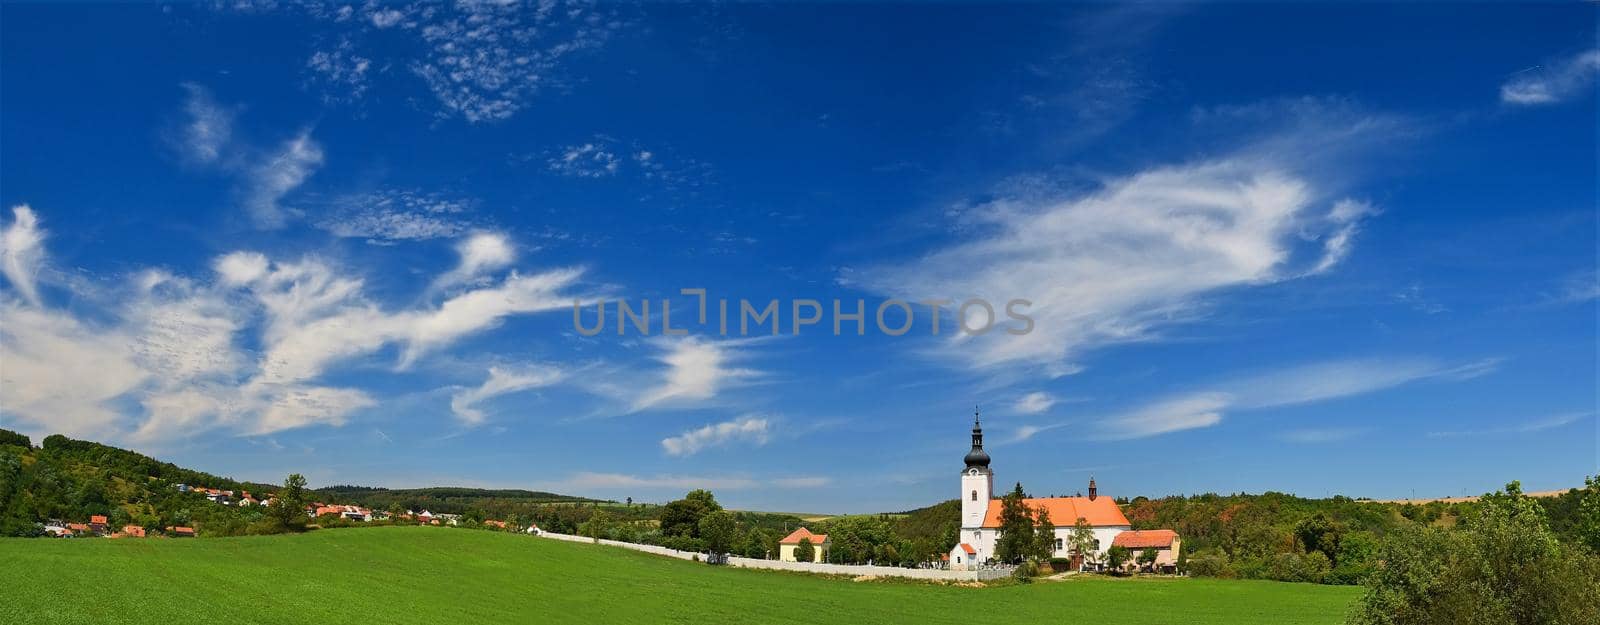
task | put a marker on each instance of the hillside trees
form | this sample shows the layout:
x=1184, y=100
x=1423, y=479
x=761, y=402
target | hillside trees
x=1505, y=565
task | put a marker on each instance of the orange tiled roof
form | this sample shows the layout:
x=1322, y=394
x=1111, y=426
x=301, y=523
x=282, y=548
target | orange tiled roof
x=968, y=548
x=1065, y=511
x=98, y=518
x=794, y=537
x=79, y=527
x=1145, y=539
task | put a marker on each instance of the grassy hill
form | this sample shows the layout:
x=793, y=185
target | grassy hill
x=425, y=574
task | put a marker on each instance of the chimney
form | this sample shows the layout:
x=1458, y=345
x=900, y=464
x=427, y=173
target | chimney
x=1091, y=489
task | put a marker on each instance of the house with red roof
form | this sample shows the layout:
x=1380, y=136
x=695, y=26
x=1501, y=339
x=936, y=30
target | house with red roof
x=181, y=532
x=962, y=557
x=819, y=545
x=1165, y=542
x=133, y=531
x=98, y=523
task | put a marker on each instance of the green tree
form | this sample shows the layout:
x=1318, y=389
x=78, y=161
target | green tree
x=1083, y=541
x=1016, y=528
x=1147, y=559
x=596, y=526
x=1588, y=522
x=1044, y=536
x=682, y=517
x=717, y=529
x=1116, y=556
x=804, y=551
x=289, y=505
x=1319, y=533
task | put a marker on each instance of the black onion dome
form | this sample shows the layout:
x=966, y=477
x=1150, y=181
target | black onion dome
x=977, y=457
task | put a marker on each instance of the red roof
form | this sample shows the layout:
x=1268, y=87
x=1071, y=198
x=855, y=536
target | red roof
x=80, y=527
x=794, y=537
x=1065, y=511
x=1145, y=539
x=101, y=519
x=968, y=548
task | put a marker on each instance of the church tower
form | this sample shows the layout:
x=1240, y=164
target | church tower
x=977, y=482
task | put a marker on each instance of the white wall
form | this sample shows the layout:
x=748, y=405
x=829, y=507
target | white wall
x=808, y=567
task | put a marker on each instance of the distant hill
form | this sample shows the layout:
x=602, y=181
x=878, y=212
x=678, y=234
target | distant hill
x=72, y=480
x=447, y=499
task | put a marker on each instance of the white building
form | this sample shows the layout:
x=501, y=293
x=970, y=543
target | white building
x=980, y=513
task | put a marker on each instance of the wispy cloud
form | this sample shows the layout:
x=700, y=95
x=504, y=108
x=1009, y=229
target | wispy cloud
x=274, y=177
x=1527, y=427
x=392, y=215
x=1026, y=432
x=482, y=61
x=501, y=381
x=751, y=429
x=1323, y=435
x=1296, y=385
x=1200, y=410
x=1554, y=82
x=1342, y=378
x=481, y=253
x=209, y=127
x=21, y=252
x=625, y=481
x=266, y=175
x=697, y=369
x=1034, y=403
x=1140, y=252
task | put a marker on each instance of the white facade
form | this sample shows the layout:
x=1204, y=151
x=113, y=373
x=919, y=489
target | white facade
x=977, y=488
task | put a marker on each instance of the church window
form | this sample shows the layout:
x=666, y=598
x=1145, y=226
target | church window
x=974, y=495
x=1058, y=544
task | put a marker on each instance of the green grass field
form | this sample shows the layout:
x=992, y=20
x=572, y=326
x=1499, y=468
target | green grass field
x=440, y=575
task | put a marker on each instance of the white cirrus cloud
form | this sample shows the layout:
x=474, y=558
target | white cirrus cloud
x=22, y=252
x=1525, y=427
x=209, y=127
x=278, y=174
x=747, y=429
x=482, y=61
x=1553, y=83
x=1034, y=403
x=391, y=215
x=480, y=253
x=1294, y=385
x=585, y=160
x=1199, y=410
x=501, y=381
x=697, y=370
x=1322, y=435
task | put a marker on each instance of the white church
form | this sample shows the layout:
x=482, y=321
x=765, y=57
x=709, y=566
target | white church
x=980, y=517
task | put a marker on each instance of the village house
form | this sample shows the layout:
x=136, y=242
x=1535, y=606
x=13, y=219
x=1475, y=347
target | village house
x=819, y=545
x=494, y=523
x=1165, y=542
x=97, y=523
x=132, y=531
x=181, y=532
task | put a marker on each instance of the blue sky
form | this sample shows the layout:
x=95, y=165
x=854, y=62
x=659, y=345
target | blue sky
x=1312, y=249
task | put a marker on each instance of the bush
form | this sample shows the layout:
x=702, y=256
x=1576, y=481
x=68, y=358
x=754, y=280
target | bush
x=1210, y=564
x=1025, y=572
x=1061, y=564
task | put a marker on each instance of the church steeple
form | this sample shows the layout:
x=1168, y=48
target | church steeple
x=977, y=457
